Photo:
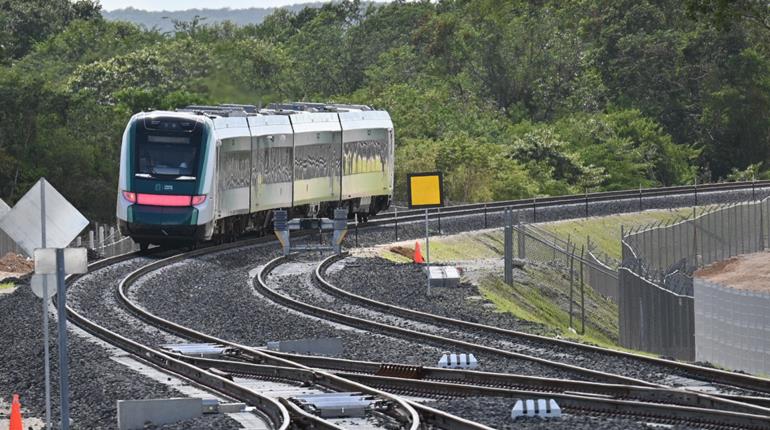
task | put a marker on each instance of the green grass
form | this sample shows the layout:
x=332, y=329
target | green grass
x=467, y=246
x=541, y=292
x=545, y=299
x=604, y=232
x=6, y=285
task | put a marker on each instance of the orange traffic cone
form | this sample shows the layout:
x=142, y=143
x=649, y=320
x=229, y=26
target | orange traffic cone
x=417, y=253
x=15, y=414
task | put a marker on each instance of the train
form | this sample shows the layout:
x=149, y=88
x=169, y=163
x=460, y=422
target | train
x=215, y=172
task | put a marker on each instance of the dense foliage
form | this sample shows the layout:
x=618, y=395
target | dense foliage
x=509, y=98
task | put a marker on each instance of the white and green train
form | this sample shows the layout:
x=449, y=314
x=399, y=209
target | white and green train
x=218, y=171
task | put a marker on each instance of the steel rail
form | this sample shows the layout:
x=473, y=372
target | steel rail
x=579, y=401
x=411, y=334
x=573, y=199
x=757, y=405
x=712, y=375
x=409, y=415
x=346, y=368
x=273, y=413
x=436, y=339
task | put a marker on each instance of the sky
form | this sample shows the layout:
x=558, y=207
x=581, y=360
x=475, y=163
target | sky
x=156, y=5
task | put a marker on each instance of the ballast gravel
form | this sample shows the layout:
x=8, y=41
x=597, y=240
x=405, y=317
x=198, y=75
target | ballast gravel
x=96, y=381
x=301, y=287
x=496, y=413
x=404, y=285
x=95, y=297
x=214, y=294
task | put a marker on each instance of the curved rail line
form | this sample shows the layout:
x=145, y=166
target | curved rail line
x=573, y=199
x=277, y=414
x=593, y=403
x=274, y=414
x=412, y=415
x=571, y=401
x=759, y=405
x=709, y=374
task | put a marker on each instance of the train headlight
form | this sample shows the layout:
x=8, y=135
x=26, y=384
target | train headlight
x=128, y=195
x=198, y=200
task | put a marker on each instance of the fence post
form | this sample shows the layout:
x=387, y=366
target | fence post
x=571, y=283
x=694, y=238
x=78, y=242
x=586, y=202
x=534, y=209
x=508, y=231
x=640, y=196
x=101, y=235
x=112, y=234
x=91, y=244
x=395, y=208
x=438, y=210
x=660, y=243
x=696, y=191
x=485, y=215
x=554, y=250
x=582, y=294
x=762, y=225
x=522, y=237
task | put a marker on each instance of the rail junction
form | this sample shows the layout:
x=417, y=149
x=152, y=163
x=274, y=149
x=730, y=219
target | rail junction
x=737, y=401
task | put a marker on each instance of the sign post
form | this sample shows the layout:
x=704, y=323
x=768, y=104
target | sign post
x=45, y=320
x=426, y=190
x=59, y=224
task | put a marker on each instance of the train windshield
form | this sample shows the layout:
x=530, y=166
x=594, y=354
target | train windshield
x=175, y=156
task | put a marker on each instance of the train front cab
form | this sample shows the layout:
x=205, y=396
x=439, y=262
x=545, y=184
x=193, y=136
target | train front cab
x=164, y=180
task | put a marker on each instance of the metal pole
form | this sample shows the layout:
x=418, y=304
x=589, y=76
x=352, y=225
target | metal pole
x=534, y=210
x=396, y=211
x=582, y=293
x=640, y=196
x=47, y=354
x=63, y=353
x=439, y=220
x=694, y=239
x=696, y=191
x=508, y=231
x=571, y=282
x=586, y=202
x=485, y=215
x=761, y=226
x=427, y=249
x=356, y=230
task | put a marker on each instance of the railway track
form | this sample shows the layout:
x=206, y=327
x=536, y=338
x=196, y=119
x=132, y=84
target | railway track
x=277, y=413
x=534, y=204
x=280, y=415
x=568, y=394
x=577, y=397
x=596, y=402
x=274, y=414
x=713, y=375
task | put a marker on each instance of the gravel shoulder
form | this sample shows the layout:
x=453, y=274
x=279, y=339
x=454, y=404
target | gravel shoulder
x=96, y=381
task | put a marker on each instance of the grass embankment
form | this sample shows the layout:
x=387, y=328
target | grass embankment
x=541, y=291
x=604, y=232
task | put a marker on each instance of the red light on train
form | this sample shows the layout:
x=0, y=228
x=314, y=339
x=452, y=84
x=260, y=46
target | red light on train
x=163, y=200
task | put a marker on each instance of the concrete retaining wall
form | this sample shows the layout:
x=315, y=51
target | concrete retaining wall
x=732, y=327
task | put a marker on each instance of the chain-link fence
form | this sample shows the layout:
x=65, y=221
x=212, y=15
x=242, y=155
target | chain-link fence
x=656, y=284
x=660, y=252
x=528, y=242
